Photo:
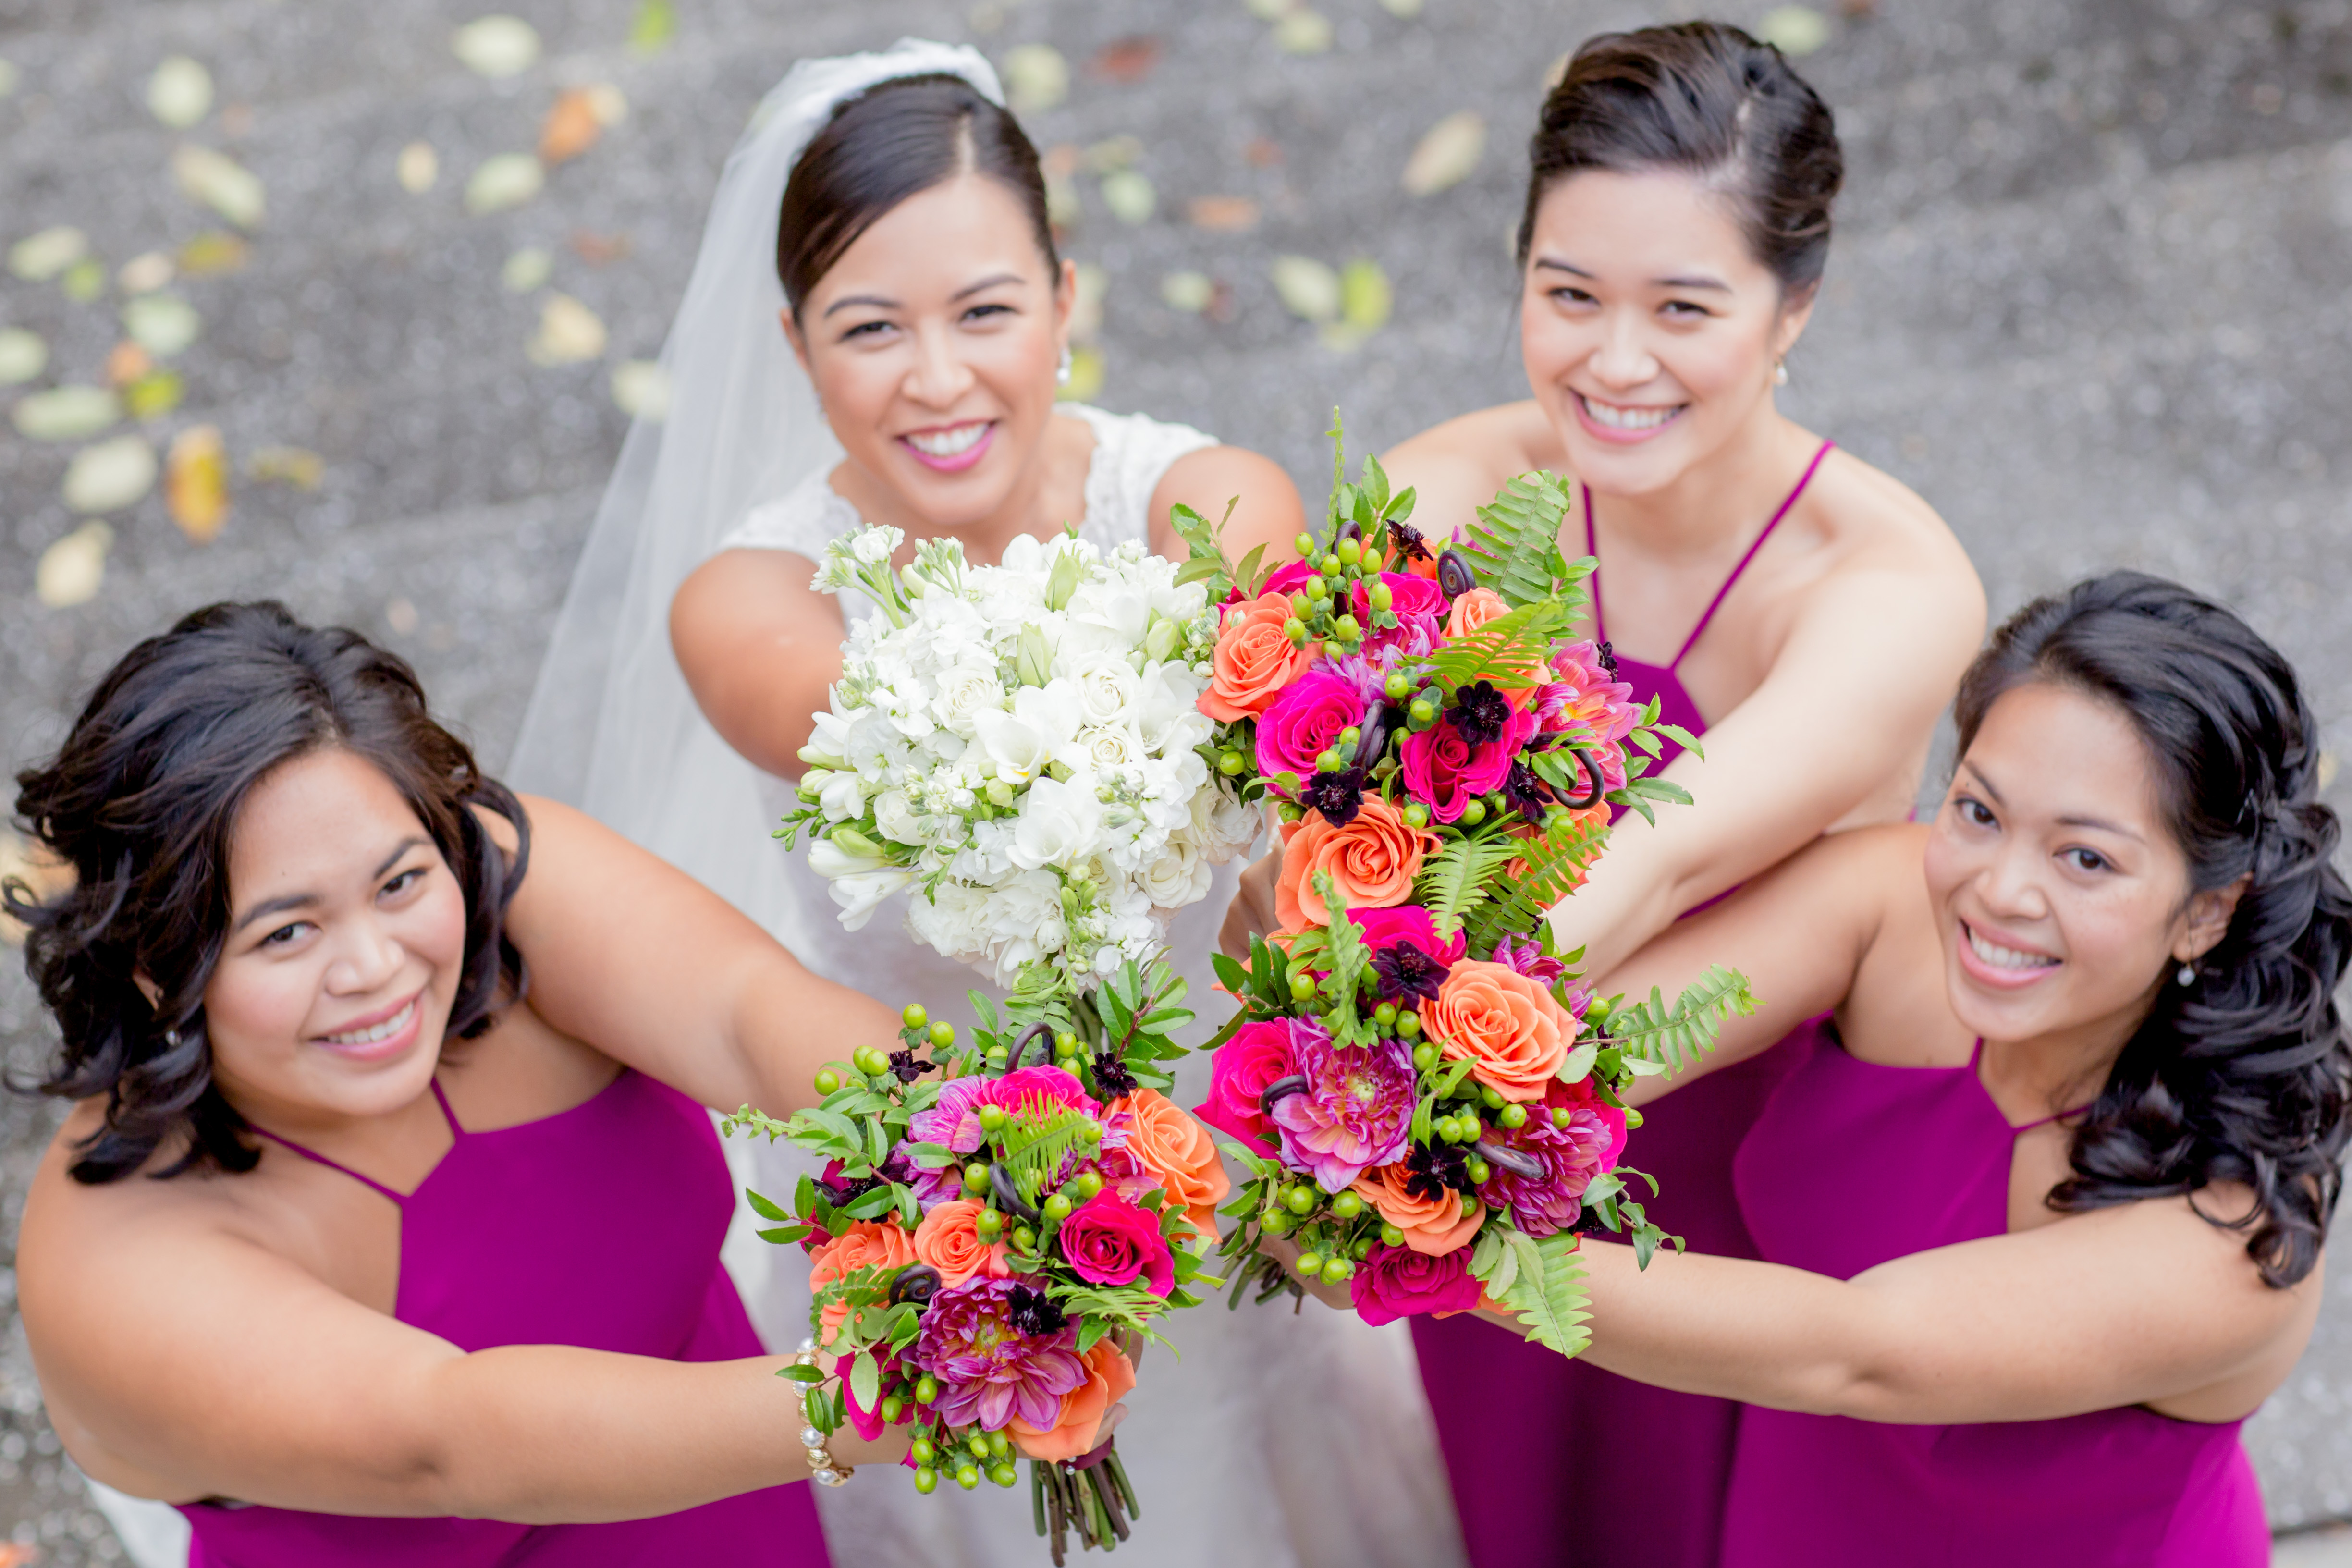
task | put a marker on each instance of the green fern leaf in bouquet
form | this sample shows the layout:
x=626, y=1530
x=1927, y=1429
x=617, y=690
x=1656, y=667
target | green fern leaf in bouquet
x=1515, y=543
x=1555, y=862
x=1653, y=1038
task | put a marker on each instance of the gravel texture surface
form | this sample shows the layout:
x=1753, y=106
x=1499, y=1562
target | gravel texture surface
x=2089, y=297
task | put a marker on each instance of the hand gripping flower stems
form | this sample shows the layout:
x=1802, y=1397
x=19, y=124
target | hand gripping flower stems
x=999, y=1224
x=1429, y=1099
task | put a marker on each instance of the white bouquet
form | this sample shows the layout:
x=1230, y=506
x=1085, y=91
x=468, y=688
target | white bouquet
x=1022, y=745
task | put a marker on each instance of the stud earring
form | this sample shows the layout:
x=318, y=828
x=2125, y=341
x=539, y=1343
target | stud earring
x=172, y=1038
x=1062, y=375
x=1779, y=373
x=2187, y=975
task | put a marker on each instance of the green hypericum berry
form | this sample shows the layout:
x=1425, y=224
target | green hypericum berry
x=1065, y=1046
x=991, y=1117
x=1004, y=1475
x=942, y=1033
x=1513, y=1116
x=1416, y=816
x=1382, y=596
x=1024, y=1239
x=1294, y=629
x=1424, y=1056
x=996, y=1056
x=924, y=1450
x=1397, y=685
x=1229, y=763
x=927, y=1390
x=1350, y=735
x=1391, y=1236
x=1385, y=1015
x=1346, y=1206
x=1561, y=1115
x=1335, y=1271
x=1329, y=761
x=1328, y=566
x=1302, y=988
x=1277, y=1222
x=827, y=1081
x=975, y=1176
x=1479, y=1171
x=1349, y=551
x=1409, y=1026
x=914, y=1014
x=977, y=1441
x=891, y=1406
x=1305, y=545
x=1310, y=1264
x=968, y=1477
x=1423, y=713
x=1088, y=1183
x=1491, y=1096
x=988, y=1224
x=1633, y=1119
x=1316, y=588
x=1474, y=812
x=927, y=1480
x=1057, y=1207
x=1350, y=628
x=999, y=1444
x=1302, y=605
x=1300, y=1201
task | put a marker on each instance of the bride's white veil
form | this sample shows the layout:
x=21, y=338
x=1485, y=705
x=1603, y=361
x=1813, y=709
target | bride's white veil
x=612, y=727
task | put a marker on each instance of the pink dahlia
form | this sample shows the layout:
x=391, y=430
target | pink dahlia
x=953, y=1119
x=1570, y=1157
x=1355, y=1112
x=989, y=1371
x=1586, y=695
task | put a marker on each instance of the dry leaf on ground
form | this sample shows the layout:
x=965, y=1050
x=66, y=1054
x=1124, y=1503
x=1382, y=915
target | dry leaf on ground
x=85, y=280
x=1128, y=59
x=180, y=94
x=1037, y=77
x=1085, y=381
x=1795, y=29
x=508, y=180
x=569, y=128
x=126, y=363
x=1130, y=196
x=195, y=483
x=1447, y=153
x=39, y=257
x=641, y=389
x=1308, y=288
x=654, y=25
x=156, y=392
x=496, y=46
x=71, y=568
x=608, y=103
x=1188, y=291
x=569, y=332
x=526, y=269
x=163, y=324
x=110, y=475
x=145, y=273
x=1303, y=33
x=418, y=168
x=65, y=413
x=9, y=78
x=599, y=249
x=1222, y=215
x=216, y=250
x=23, y=356
x=286, y=466
x=221, y=183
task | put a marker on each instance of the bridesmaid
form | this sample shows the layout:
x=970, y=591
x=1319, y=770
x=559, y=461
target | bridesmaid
x=1766, y=587
x=388, y=1206
x=2043, y=1214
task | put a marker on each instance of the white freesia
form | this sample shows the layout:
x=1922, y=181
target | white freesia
x=1018, y=743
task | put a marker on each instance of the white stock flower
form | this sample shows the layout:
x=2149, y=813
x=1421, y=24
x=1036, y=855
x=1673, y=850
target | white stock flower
x=844, y=799
x=861, y=894
x=875, y=546
x=1057, y=825
x=1041, y=729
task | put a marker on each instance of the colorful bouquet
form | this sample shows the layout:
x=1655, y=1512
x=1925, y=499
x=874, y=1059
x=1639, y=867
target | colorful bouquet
x=999, y=1224
x=1428, y=1096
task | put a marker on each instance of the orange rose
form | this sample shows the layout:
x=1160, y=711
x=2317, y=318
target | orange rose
x=949, y=1242
x=867, y=1244
x=1254, y=660
x=1506, y=1023
x=1472, y=610
x=1177, y=1151
x=1109, y=1377
x=1371, y=863
x=1432, y=1227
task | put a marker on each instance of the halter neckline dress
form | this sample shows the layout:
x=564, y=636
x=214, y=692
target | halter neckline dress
x=1854, y=1164
x=1556, y=1461
x=598, y=1227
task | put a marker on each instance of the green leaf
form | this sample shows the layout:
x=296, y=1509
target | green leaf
x=1683, y=738
x=1457, y=877
x=865, y=1379
x=1548, y=1295
x=763, y=1207
x=1554, y=862
x=1504, y=648
x=800, y=1373
x=1653, y=1038
x=785, y=1235
x=1515, y=543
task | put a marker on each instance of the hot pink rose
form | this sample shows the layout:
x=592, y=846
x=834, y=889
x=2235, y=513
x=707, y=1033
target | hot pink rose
x=1239, y=1071
x=1304, y=719
x=1398, y=1282
x=1443, y=768
x=1109, y=1241
x=1418, y=603
x=1406, y=923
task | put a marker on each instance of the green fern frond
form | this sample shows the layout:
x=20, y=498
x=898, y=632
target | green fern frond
x=1505, y=647
x=1515, y=544
x=1032, y=1153
x=1674, y=1038
x=1554, y=862
x=1547, y=1293
x=1457, y=877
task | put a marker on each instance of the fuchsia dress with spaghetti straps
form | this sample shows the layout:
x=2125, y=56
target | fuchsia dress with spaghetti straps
x=1556, y=1461
x=1854, y=1164
x=599, y=1227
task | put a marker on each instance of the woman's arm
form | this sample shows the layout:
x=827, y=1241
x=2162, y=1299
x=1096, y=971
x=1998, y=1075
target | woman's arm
x=1266, y=509
x=642, y=962
x=1856, y=689
x=183, y=1362
x=760, y=649
x=2142, y=1304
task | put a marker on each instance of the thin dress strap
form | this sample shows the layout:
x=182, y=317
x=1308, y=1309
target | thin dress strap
x=447, y=1114
x=1591, y=548
x=314, y=1155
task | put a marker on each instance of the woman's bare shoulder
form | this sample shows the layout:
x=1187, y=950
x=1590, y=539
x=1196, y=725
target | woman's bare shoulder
x=1887, y=522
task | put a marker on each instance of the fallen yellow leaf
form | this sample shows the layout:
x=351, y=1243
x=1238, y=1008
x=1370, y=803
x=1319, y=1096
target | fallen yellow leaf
x=569, y=332
x=286, y=466
x=195, y=483
x=158, y=392
x=65, y=413
x=72, y=568
x=144, y=274
x=496, y=46
x=180, y=94
x=1037, y=77
x=126, y=364
x=1447, y=153
x=1222, y=215
x=221, y=183
x=39, y=257
x=211, y=252
x=110, y=475
x=569, y=128
x=417, y=168
x=506, y=181
x=23, y=356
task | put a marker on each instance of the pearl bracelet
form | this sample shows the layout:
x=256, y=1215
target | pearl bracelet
x=823, y=1467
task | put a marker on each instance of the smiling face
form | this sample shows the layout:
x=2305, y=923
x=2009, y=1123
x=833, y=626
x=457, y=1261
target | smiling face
x=933, y=343
x=1648, y=327
x=346, y=944
x=2060, y=895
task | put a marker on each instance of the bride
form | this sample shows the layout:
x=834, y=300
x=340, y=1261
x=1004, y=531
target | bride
x=870, y=336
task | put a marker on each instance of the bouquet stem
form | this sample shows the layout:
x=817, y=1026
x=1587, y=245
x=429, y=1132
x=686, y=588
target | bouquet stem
x=1092, y=1493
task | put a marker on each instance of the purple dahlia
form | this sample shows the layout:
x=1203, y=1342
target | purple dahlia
x=989, y=1371
x=1571, y=1156
x=1356, y=1111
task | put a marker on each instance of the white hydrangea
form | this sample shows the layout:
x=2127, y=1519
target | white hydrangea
x=1020, y=744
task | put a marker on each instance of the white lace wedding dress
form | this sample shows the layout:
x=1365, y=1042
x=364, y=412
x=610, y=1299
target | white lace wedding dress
x=1269, y=1438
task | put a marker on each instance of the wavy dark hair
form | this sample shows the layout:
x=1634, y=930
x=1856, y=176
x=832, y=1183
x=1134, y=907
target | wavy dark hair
x=1707, y=98
x=141, y=802
x=2244, y=1074
x=891, y=142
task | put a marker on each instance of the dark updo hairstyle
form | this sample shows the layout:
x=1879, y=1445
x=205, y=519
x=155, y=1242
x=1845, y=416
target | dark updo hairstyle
x=890, y=142
x=1706, y=99
x=2243, y=1075
x=141, y=802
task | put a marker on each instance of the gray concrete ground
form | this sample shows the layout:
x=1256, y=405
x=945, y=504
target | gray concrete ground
x=2089, y=296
